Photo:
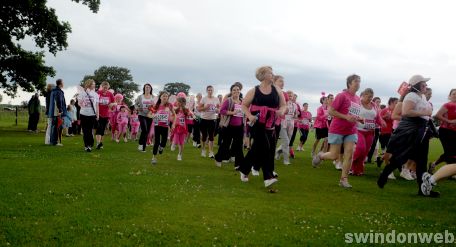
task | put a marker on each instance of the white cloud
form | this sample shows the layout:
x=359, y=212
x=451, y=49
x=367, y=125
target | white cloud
x=313, y=44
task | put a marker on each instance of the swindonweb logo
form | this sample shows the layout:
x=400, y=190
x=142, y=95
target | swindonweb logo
x=400, y=238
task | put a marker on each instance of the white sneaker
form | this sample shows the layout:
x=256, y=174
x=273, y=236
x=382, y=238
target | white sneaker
x=179, y=157
x=391, y=176
x=125, y=139
x=316, y=160
x=140, y=147
x=255, y=172
x=344, y=183
x=275, y=174
x=173, y=147
x=194, y=143
x=203, y=153
x=286, y=162
x=405, y=173
x=218, y=164
x=244, y=178
x=427, y=185
x=59, y=144
x=153, y=161
x=232, y=159
x=211, y=155
x=225, y=161
x=270, y=182
x=413, y=174
x=338, y=165
x=117, y=140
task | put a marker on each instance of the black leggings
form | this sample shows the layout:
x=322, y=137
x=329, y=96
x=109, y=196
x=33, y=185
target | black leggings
x=161, y=136
x=207, y=128
x=145, y=123
x=102, y=122
x=304, y=135
x=293, y=136
x=384, y=139
x=196, y=131
x=87, y=124
x=447, y=138
x=374, y=144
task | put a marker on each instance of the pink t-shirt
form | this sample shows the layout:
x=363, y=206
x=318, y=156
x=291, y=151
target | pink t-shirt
x=345, y=103
x=162, y=116
x=181, y=126
x=321, y=121
x=122, y=118
x=236, y=119
x=451, y=115
x=304, y=120
x=134, y=120
x=105, y=98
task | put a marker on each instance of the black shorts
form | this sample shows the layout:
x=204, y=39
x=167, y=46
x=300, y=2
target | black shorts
x=321, y=133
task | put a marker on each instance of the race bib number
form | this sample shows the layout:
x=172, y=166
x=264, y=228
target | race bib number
x=369, y=124
x=104, y=101
x=182, y=121
x=305, y=121
x=146, y=104
x=211, y=108
x=354, y=110
x=162, y=117
x=238, y=110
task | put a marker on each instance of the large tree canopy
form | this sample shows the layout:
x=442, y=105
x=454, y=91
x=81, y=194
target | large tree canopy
x=20, y=19
x=120, y=80
x=176, y=87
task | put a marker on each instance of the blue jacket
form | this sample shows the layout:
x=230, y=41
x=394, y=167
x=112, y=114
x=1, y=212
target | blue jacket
x=57, y=99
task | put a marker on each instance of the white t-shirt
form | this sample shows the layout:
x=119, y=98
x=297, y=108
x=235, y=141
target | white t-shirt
x=369, y=119
x=421, y=104
x=211, y=112
x=84, y=101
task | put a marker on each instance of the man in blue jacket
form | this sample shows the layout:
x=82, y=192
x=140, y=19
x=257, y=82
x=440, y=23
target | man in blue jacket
x=57, y=110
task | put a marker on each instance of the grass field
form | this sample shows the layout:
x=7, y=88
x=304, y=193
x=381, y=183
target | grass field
x=62, y=196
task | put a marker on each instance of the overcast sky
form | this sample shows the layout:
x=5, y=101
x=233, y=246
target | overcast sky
x=315, y=45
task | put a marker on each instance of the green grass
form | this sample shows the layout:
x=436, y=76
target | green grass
x=62, y=196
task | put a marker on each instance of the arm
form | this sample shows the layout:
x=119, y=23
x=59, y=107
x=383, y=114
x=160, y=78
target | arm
x=224, y=109
x=246, y=102
x=440, y=115
x=282, y=104
x=397, y=112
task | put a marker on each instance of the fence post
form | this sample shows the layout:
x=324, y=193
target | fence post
x=16, y=115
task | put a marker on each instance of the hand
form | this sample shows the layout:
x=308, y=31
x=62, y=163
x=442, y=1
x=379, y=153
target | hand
x=252, y=119
x=280, y=113
x=351, y=118
x=427, y=112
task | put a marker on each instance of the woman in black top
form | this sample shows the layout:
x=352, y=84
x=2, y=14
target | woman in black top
x=261, y=106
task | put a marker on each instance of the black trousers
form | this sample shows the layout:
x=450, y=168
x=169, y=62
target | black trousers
x=145, y=123
x=87, y=125
x=232, y=137
x=374, y=143
x=262, y=151
x=293, y=136
x=161, y=136
x=56, y=131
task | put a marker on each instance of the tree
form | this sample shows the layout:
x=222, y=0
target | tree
x=120, y=80
x=20, y=19
x=176, y=87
